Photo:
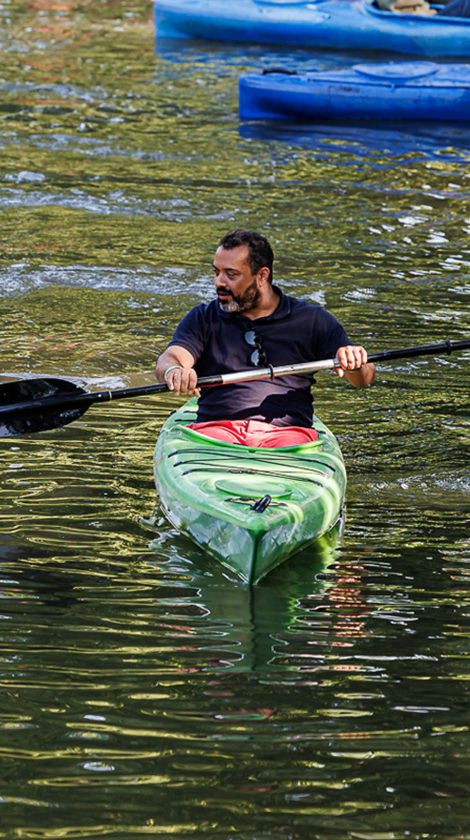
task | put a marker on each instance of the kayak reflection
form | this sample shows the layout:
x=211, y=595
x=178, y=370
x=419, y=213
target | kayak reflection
x=384, y=148
x=245, y=628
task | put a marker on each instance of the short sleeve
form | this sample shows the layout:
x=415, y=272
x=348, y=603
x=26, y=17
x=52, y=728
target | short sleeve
x=328, y=336
x=190, y=332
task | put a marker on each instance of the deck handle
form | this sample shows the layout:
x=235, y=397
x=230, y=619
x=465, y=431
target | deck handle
x=261, y=505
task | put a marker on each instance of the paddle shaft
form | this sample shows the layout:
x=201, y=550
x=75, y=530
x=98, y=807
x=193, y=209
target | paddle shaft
x=82, y=400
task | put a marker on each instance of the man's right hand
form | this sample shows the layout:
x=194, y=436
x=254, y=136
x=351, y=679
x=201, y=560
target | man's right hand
x=182, y=380
x=175, y=367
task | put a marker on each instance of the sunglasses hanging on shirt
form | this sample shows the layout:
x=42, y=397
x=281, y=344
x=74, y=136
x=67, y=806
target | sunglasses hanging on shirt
x=258, y=357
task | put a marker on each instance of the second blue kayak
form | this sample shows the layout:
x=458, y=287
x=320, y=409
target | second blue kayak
x=418, y=90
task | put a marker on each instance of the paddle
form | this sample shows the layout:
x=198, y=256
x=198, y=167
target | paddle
x=34, y=405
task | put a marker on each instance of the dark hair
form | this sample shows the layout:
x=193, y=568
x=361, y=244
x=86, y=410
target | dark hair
x=260, y=253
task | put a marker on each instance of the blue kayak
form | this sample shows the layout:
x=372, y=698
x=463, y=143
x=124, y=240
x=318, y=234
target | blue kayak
x=418, y=90
x=337, y=24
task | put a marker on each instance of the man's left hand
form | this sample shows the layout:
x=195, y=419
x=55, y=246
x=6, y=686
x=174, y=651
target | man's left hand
x=350, y=357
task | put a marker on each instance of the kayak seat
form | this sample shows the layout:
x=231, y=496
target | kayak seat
x=399, y=71
x=237, y=447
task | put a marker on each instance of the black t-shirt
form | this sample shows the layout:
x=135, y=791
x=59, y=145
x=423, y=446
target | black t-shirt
x=295, y=332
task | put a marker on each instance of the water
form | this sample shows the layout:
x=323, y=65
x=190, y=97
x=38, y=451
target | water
x=144, y=692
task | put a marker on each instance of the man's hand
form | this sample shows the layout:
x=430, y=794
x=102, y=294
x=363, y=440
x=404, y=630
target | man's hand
x=182, y=380
x=350, y=357
x=175, y=367
x=354, y=366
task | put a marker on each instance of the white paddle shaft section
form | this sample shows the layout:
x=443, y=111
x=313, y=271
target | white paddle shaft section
x=274, y=372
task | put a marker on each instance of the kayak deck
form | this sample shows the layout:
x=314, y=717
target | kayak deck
x=209, y=489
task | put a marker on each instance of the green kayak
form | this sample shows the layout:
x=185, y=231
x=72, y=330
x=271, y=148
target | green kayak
x=250, y=508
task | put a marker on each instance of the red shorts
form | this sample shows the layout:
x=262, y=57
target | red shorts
x=255, y=433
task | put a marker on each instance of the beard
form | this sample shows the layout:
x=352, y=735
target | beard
x=241, y=303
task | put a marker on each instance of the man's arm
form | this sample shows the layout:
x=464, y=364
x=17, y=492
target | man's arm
x=175, y=366
x=354, y=366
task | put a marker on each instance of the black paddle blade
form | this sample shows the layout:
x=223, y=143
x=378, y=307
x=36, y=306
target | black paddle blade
x=17, y=422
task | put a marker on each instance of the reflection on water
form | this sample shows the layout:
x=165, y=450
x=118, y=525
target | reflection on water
x=388, y=145
x=144, y=692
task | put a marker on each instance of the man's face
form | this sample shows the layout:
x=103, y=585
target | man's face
x=237, y=288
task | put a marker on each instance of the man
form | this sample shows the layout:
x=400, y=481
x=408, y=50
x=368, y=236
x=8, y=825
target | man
x=253, y=323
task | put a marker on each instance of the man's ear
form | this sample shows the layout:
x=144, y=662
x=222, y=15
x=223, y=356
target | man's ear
x=263, y=275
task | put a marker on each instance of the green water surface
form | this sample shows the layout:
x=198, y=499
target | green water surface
x=143, y=691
